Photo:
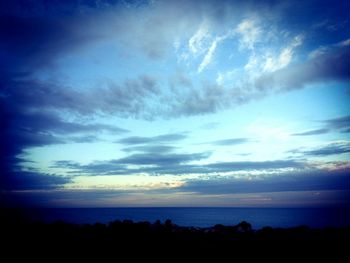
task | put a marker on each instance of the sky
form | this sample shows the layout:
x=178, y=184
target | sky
x=112, y=103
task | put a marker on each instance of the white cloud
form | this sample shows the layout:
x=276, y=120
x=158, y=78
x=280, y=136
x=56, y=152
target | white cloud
x=344, y=43
x=318, y=52
x=274, y=63
x=252, y=63
x=196, y=42
x=322, y=50
x=226, y=77
x=208, y=57
x=282, y=60
x=250, y=33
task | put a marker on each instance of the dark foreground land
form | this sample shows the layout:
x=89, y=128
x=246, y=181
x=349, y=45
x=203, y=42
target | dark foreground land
x=124, y=241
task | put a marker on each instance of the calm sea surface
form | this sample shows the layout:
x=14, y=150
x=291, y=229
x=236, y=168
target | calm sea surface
x=202, y=217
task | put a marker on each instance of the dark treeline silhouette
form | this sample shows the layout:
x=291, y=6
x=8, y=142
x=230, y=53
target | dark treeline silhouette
x=117, y=240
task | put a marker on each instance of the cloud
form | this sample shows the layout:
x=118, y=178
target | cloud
x=150, y=149
x=311, y=180
x=210, y=52
x=152, y=163
x=228, y=142
x=341, y=124
x=144, y=96
x=330, y=66
x=311, y=132
x=273, y=63
x=199, y=101
x=250, y=33
x=28, y=180
x=195, y=43
x=208, y=57
x=37, y=35
x=27, y=123
x=273, y=176
x=171, y=163
x=84, y=139
x=125, y=99
x=162, y=159
x=234, y=166
x=284, y=77
x=57, y=32
x=165, y=138
x=333, y=148
x=23, y=129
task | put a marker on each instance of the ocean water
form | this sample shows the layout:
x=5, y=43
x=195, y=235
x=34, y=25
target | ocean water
x=202, y=217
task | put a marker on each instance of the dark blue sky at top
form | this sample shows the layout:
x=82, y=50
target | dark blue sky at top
x=126, y=87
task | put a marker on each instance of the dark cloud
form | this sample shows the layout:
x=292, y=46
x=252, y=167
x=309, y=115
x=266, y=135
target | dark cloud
x=27, y=180
x=341, y=124
x=25, y=124
x=229, y=142
x=331, y=66
x=84, y=139
x=33, y=34
x=208, y=98
x=330, y=149
x=22, y=129
x=150, y=149
x=311, y=132
x=155, y=163
x=314, y=180
x=233, y=166
x=165, y=138
x=126, y=99
x=171, y=163
x=39, y=121
x=162, y=159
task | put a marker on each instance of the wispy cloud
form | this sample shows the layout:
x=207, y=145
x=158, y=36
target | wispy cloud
x=229, y=142
x=250, y=33
x=311, y=132
x=341, y=124
x=333, y=148
x=163, y=159
x=150, y=149
x=209, y=55
x=284, y=58
x=164, y=138
x=196, y=42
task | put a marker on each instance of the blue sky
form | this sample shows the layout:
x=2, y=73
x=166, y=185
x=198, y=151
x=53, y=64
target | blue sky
x=175, y=103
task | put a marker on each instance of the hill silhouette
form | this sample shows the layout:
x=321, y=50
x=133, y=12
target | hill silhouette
x=166, y=241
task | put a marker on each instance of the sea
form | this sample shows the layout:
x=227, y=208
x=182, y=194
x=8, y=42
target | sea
x=201, y=216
